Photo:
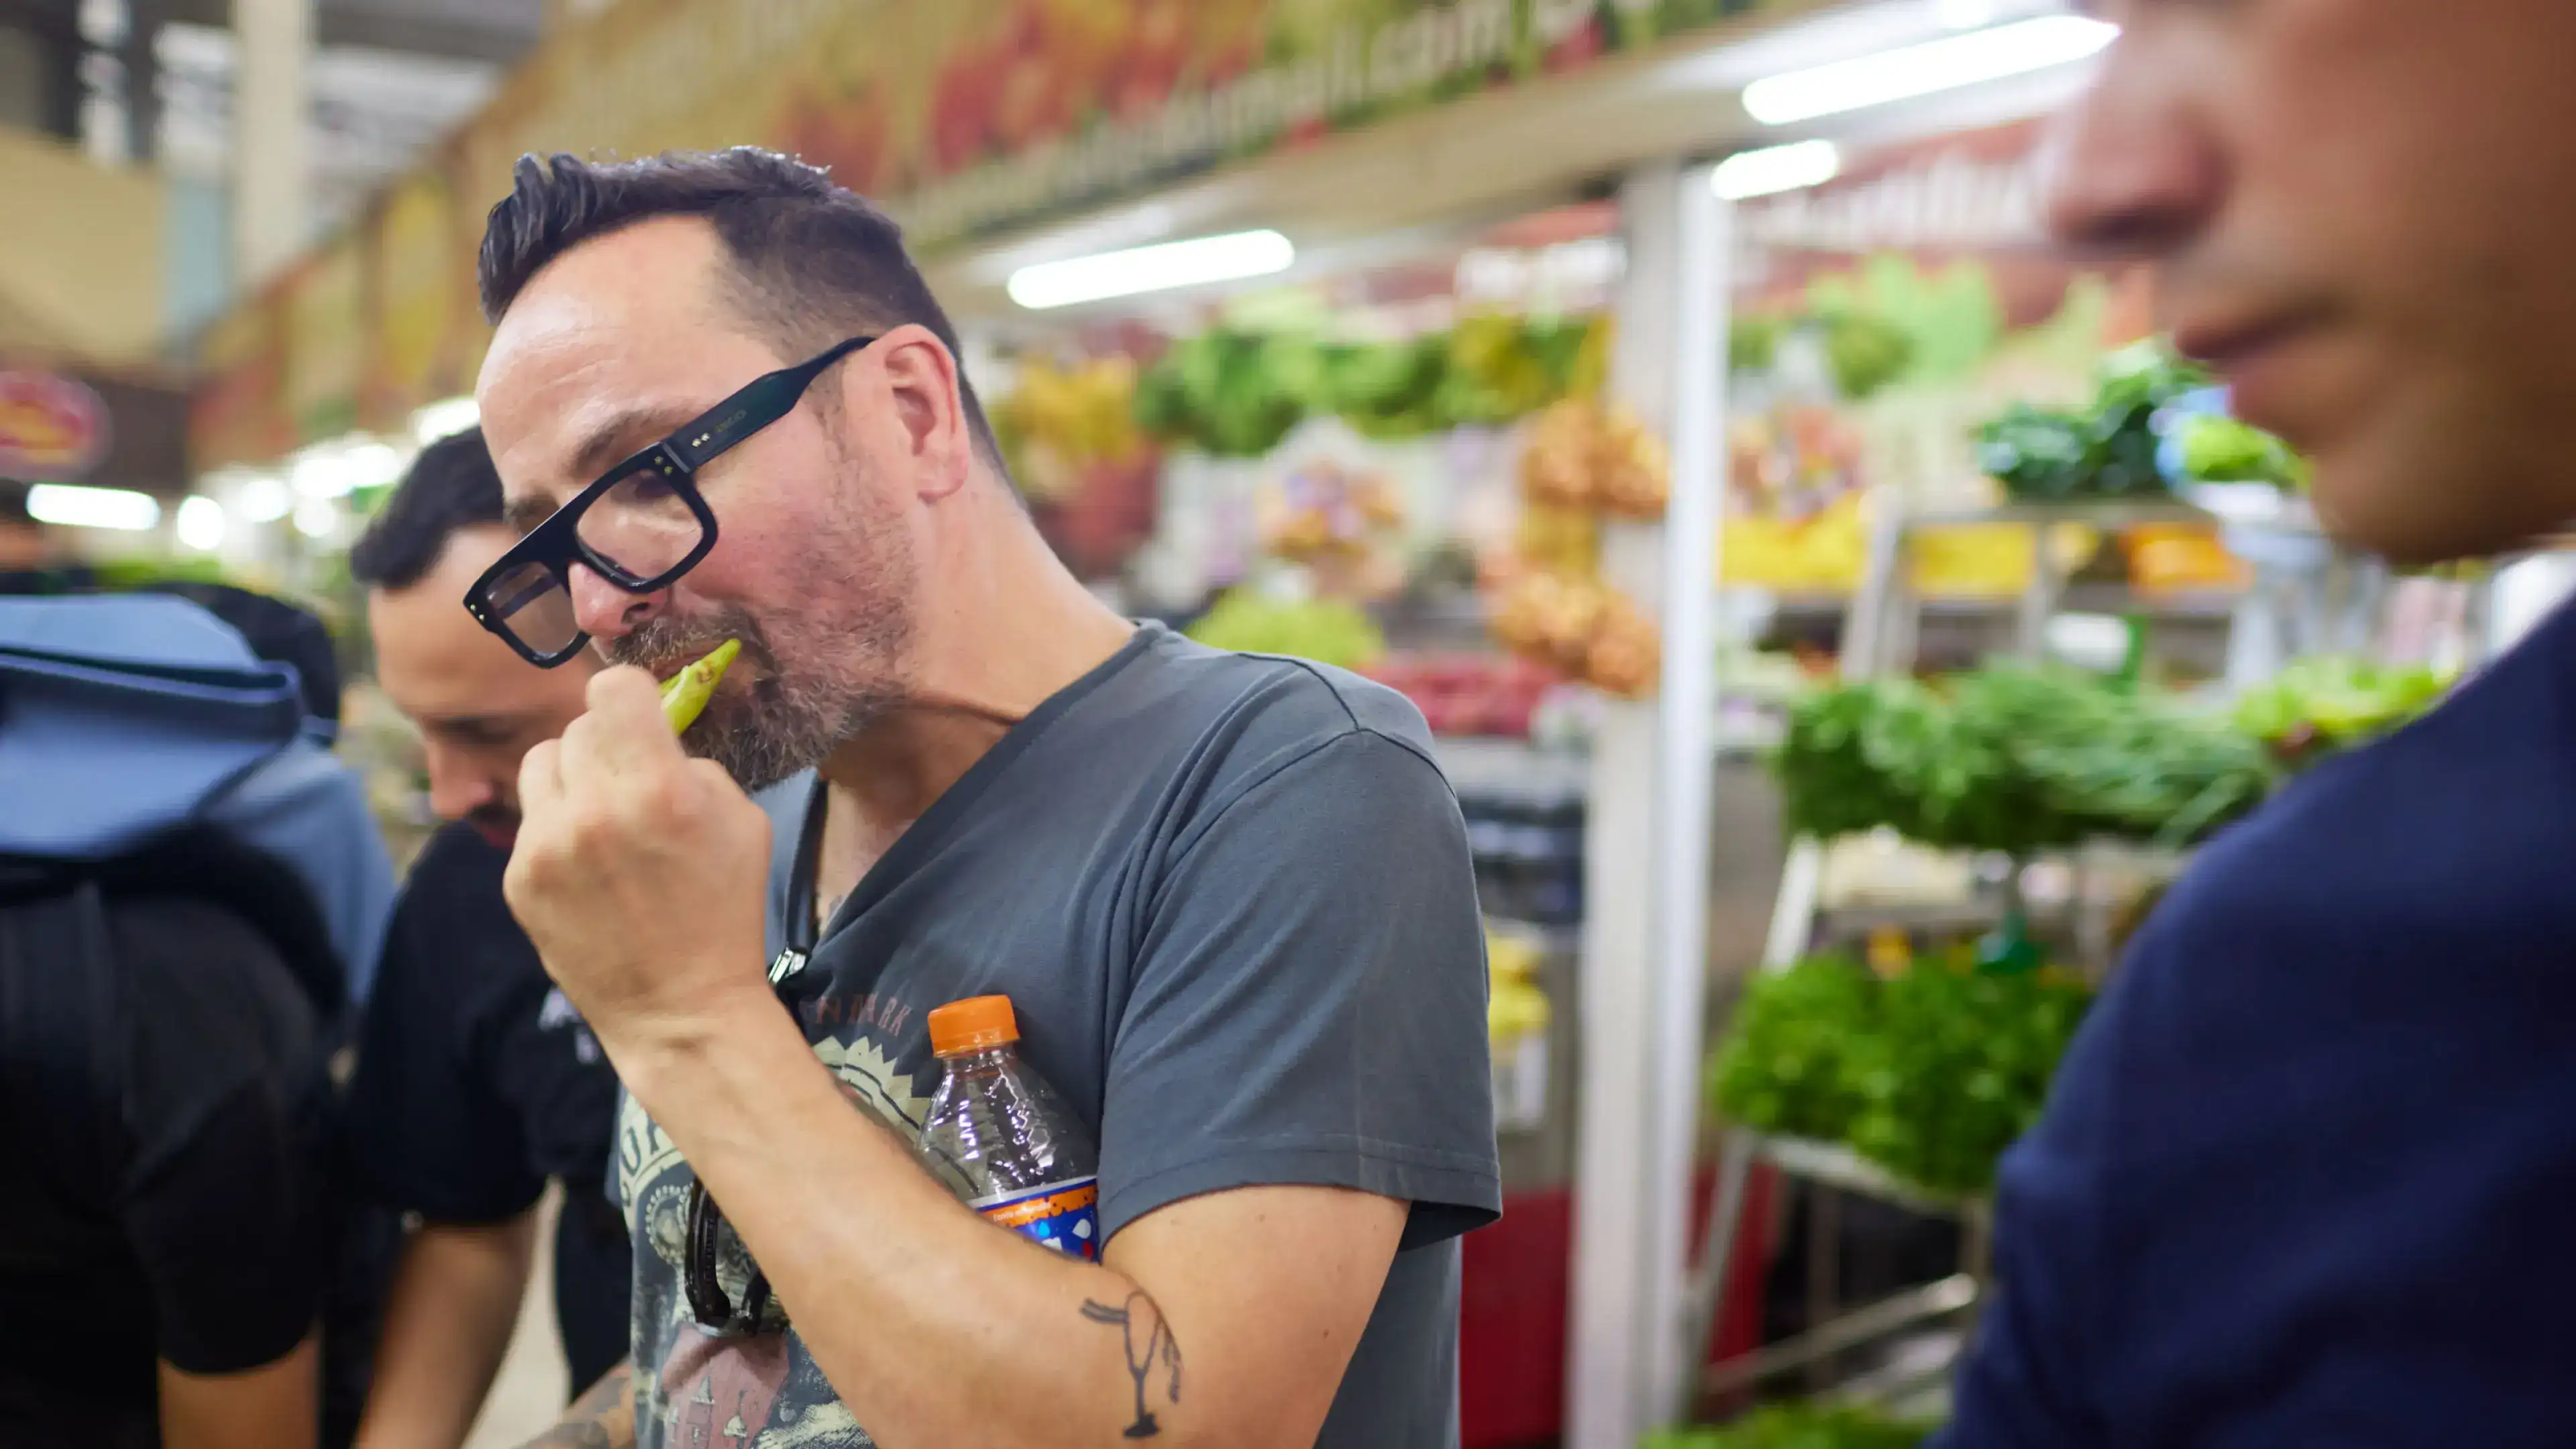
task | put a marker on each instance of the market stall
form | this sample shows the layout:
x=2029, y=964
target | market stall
x=1611, y=378
x=2062, y=619
x=1462, y=275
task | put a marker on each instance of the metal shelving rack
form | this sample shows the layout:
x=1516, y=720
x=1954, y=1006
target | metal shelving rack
x=2307, y=597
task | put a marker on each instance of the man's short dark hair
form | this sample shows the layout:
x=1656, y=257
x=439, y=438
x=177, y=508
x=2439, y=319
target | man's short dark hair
x=813, y=262
x=451, y=486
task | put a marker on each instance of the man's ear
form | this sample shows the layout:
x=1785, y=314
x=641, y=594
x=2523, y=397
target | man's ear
x=915, y=378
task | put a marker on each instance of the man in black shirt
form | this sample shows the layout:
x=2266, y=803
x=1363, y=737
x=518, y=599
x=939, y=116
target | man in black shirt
x=476, y=1081
x=172, y=1297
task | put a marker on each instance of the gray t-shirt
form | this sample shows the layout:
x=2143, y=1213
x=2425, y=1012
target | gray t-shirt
x=1230, y=899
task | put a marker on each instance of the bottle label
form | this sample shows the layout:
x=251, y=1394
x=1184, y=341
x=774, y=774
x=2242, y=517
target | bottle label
x=1064, y=1215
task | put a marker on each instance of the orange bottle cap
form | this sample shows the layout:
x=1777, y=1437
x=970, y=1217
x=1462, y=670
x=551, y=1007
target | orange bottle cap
x=972, y=1025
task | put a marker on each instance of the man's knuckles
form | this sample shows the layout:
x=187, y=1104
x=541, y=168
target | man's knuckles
x=537, y=872
x=622, y=687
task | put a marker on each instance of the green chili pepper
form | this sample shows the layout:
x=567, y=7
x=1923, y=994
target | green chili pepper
x=685, y=694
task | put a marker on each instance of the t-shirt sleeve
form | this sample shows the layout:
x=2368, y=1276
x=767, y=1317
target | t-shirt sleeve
x=223, y=1196
x=228, y=1231
x=1308, y=1005
x=427, y=1131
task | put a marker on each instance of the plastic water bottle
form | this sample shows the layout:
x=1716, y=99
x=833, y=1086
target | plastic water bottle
x=1000, y=1137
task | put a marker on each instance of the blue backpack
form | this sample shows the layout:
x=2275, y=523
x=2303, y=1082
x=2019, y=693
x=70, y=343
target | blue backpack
x=145, y=749
x=127, y=720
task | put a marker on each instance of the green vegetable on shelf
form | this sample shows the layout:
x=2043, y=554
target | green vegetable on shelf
x=1238, y=389
x=2332, y=703
x=1234, y=393
x=2036, y=453
x=2106, y=450
x=1385, y=389
x=1957, y=1069
x=2220, y=449
x=2145, y=376
x=1866, y=352
x=1781, y=1068
x=1327, y=631
x=2014, y=759
x=1752, y=344
x=1930, y=1073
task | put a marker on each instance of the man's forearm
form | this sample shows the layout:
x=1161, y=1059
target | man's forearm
x=448, y=1322
x=603, y=1418
x=273, y=1406
x=1006, y=1342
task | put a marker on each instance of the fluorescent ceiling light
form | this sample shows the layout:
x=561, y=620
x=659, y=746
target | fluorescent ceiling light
x=336, y=469
x=1775, y=169
x=1964, y=14
x=263, y=498
x=320, y=473
x=376, y=465
x=450, y=415
x=1921, y=70
x=201, y=523
x=316, y=517
x=1193, y=263
x=74, y=506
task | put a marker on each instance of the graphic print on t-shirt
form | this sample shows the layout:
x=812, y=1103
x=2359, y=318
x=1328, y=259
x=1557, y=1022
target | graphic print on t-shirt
x=558, y=1014
x=702, y=1390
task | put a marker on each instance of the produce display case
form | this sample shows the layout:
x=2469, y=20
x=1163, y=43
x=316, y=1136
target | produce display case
x=2082, y=887
x=1944, y=448
x=1374, y=437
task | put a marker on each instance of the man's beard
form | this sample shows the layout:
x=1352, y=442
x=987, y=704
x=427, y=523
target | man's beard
x=787, y=716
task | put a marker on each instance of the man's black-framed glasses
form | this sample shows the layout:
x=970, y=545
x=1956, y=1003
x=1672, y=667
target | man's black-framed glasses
x=640, y=526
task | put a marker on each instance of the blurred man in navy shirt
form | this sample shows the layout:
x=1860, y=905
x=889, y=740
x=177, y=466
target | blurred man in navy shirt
x=2309, y=1174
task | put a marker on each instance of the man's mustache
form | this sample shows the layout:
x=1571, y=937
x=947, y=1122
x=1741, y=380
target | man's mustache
x=662, y=645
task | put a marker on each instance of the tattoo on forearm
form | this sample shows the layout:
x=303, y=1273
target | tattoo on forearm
x=1149, y=1345
x=600, y=1419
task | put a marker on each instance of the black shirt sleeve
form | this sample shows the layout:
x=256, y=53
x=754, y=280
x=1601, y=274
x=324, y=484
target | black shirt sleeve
x=429, y=1130
x=223, y=1196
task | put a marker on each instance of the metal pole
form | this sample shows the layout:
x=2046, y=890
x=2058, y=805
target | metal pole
x=1892, y=1315
x=1606, y=1350
x=1647, y=853
x=1687, y=735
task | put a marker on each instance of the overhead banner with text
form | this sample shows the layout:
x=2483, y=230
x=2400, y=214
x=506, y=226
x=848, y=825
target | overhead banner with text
x=965, y=118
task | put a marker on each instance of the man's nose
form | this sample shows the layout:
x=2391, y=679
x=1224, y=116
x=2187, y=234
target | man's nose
x=2132, y=170
x=604, y=610
x=457, y=786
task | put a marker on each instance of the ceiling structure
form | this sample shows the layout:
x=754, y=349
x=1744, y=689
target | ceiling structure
x=152, y=79
x=1429, y=180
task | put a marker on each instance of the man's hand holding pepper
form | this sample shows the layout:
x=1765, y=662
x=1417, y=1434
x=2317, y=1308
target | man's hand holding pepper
x=640, y=874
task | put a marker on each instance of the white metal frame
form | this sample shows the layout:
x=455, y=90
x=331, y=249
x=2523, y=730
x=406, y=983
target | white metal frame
x=1647, y=851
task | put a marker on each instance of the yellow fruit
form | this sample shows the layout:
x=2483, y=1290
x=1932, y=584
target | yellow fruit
x=1516, y=1010
x=1511, y=958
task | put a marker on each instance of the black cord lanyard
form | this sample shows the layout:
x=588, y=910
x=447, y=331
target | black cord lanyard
x=800, y=928
x=708, y=1302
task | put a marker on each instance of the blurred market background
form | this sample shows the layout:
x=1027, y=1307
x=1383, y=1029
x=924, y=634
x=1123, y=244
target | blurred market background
x=1657, y=391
